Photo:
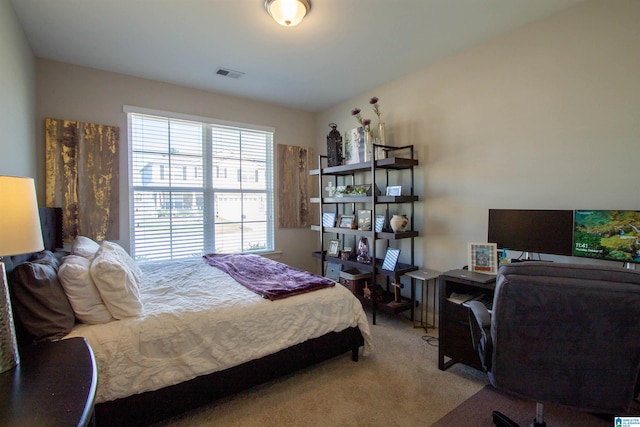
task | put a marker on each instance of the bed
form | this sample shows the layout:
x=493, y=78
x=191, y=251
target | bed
x=200, y=336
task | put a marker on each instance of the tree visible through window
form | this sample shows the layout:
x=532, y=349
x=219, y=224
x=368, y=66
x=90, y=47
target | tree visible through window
x=175, y=214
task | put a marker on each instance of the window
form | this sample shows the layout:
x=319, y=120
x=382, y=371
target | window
x=178, y=215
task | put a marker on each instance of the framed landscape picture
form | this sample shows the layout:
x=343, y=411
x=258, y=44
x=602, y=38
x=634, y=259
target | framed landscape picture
x=347, y=221
x=483, y=258
x=364, y=220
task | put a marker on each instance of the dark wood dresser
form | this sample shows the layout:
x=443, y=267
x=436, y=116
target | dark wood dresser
x=54, y=385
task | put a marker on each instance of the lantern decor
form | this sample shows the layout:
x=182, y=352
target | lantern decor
x=334, y=146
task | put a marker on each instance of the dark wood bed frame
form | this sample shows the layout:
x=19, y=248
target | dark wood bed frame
x=150, y=407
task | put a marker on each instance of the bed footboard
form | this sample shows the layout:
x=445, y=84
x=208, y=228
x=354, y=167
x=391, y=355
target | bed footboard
x=154, y=406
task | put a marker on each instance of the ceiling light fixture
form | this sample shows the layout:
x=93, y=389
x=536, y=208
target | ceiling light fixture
x=287, y=13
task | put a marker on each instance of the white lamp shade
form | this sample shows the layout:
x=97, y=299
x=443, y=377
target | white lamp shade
x=20, y=231
x=287, y=13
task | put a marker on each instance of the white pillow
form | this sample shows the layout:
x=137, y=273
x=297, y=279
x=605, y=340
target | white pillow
x=83, y=295
x=117, y=278
x=85, y=247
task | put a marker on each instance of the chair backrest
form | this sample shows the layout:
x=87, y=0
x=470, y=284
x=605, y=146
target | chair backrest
x=567, y=334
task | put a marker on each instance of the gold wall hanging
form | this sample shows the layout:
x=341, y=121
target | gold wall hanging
x=82, y=177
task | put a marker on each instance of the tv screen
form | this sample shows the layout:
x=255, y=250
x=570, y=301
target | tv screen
x=532, y=230
x=606, y=234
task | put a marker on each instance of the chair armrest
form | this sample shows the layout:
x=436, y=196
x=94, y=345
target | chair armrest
x=480, y=324
x=481, y=314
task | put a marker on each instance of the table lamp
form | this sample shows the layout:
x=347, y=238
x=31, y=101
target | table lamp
x=20, y=233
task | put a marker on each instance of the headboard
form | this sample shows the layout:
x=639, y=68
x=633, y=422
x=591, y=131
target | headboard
x=51, y=223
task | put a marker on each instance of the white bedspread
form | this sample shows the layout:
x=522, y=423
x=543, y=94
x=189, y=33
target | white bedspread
x=198, y=320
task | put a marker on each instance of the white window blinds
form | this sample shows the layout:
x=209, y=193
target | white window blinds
x=198, y=187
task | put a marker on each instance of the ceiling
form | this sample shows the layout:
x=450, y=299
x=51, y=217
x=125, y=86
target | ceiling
x=341, y=49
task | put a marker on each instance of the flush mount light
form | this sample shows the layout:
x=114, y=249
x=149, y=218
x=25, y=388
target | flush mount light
x=287, y=13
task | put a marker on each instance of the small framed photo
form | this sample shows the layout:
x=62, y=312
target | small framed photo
x=395, y=190
x=379, y=225
x=483, y=258
x=332, y=271
x=391, y=259
x=364, y=220
x=346, y=252
x=328, y=219
x=347, y=221
x=334, y=248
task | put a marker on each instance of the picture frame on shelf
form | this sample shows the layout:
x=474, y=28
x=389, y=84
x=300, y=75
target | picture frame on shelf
x=483, y=258
x=379, y=223
x=356, y=146
x=334, y=248
x=394, y=190
x=391, y=259
x=346, y=252
x=328, y=219
x=364, y=220
x=347, y=221
x=332, y=271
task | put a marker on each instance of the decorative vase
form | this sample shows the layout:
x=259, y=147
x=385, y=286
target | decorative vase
x=382, y=153
x=381, y=134
x=368, y=145
x=399, y=223
x=334, y=146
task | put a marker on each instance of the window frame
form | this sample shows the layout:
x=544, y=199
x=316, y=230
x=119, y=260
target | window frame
x=209, y=173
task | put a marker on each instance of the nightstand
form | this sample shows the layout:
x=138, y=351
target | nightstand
x=54, y=385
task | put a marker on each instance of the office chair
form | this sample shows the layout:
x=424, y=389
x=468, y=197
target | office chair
x=559, y=333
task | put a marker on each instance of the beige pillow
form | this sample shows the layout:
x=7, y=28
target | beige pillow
x=117, y=278
x=84, y=247
x=83, y=294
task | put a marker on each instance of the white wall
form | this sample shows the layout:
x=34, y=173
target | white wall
x=17, y=97
x=70, y=92
x=544, y=117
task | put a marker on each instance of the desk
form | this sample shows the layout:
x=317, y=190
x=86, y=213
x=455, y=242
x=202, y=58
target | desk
x=454, y=332
x=54, y=385
x=424, y=277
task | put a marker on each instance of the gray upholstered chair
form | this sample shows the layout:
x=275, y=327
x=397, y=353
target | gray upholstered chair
x=559, y=333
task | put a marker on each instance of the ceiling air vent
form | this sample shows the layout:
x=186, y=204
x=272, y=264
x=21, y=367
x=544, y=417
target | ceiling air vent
x=225, y=72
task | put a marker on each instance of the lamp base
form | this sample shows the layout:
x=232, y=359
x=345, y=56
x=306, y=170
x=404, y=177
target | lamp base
x=9, y=357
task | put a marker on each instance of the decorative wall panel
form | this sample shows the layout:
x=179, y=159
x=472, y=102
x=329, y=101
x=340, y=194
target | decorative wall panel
x=294, y=185
x=82, y=177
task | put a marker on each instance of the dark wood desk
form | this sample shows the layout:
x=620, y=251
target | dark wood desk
x=54, y=385
x=454, y=331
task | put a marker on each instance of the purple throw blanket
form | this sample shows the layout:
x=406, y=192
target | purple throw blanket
x=269, y=279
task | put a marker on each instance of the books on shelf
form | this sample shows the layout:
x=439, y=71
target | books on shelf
x=459, y=298
x=465, y=299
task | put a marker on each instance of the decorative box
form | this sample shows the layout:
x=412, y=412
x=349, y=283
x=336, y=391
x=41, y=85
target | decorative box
x=354, y=280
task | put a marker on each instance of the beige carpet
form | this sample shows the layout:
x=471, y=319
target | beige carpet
x=399, y=384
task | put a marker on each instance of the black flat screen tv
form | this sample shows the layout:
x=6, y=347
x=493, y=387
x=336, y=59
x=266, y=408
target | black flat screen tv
x=612, y=235
x=539, y=231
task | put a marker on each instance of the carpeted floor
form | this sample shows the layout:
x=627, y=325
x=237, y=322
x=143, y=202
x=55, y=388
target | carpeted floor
x=399, y=384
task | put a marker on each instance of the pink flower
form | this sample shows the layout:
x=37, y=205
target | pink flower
x=376, y=108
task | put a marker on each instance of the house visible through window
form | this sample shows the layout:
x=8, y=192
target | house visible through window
x=175, y=214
